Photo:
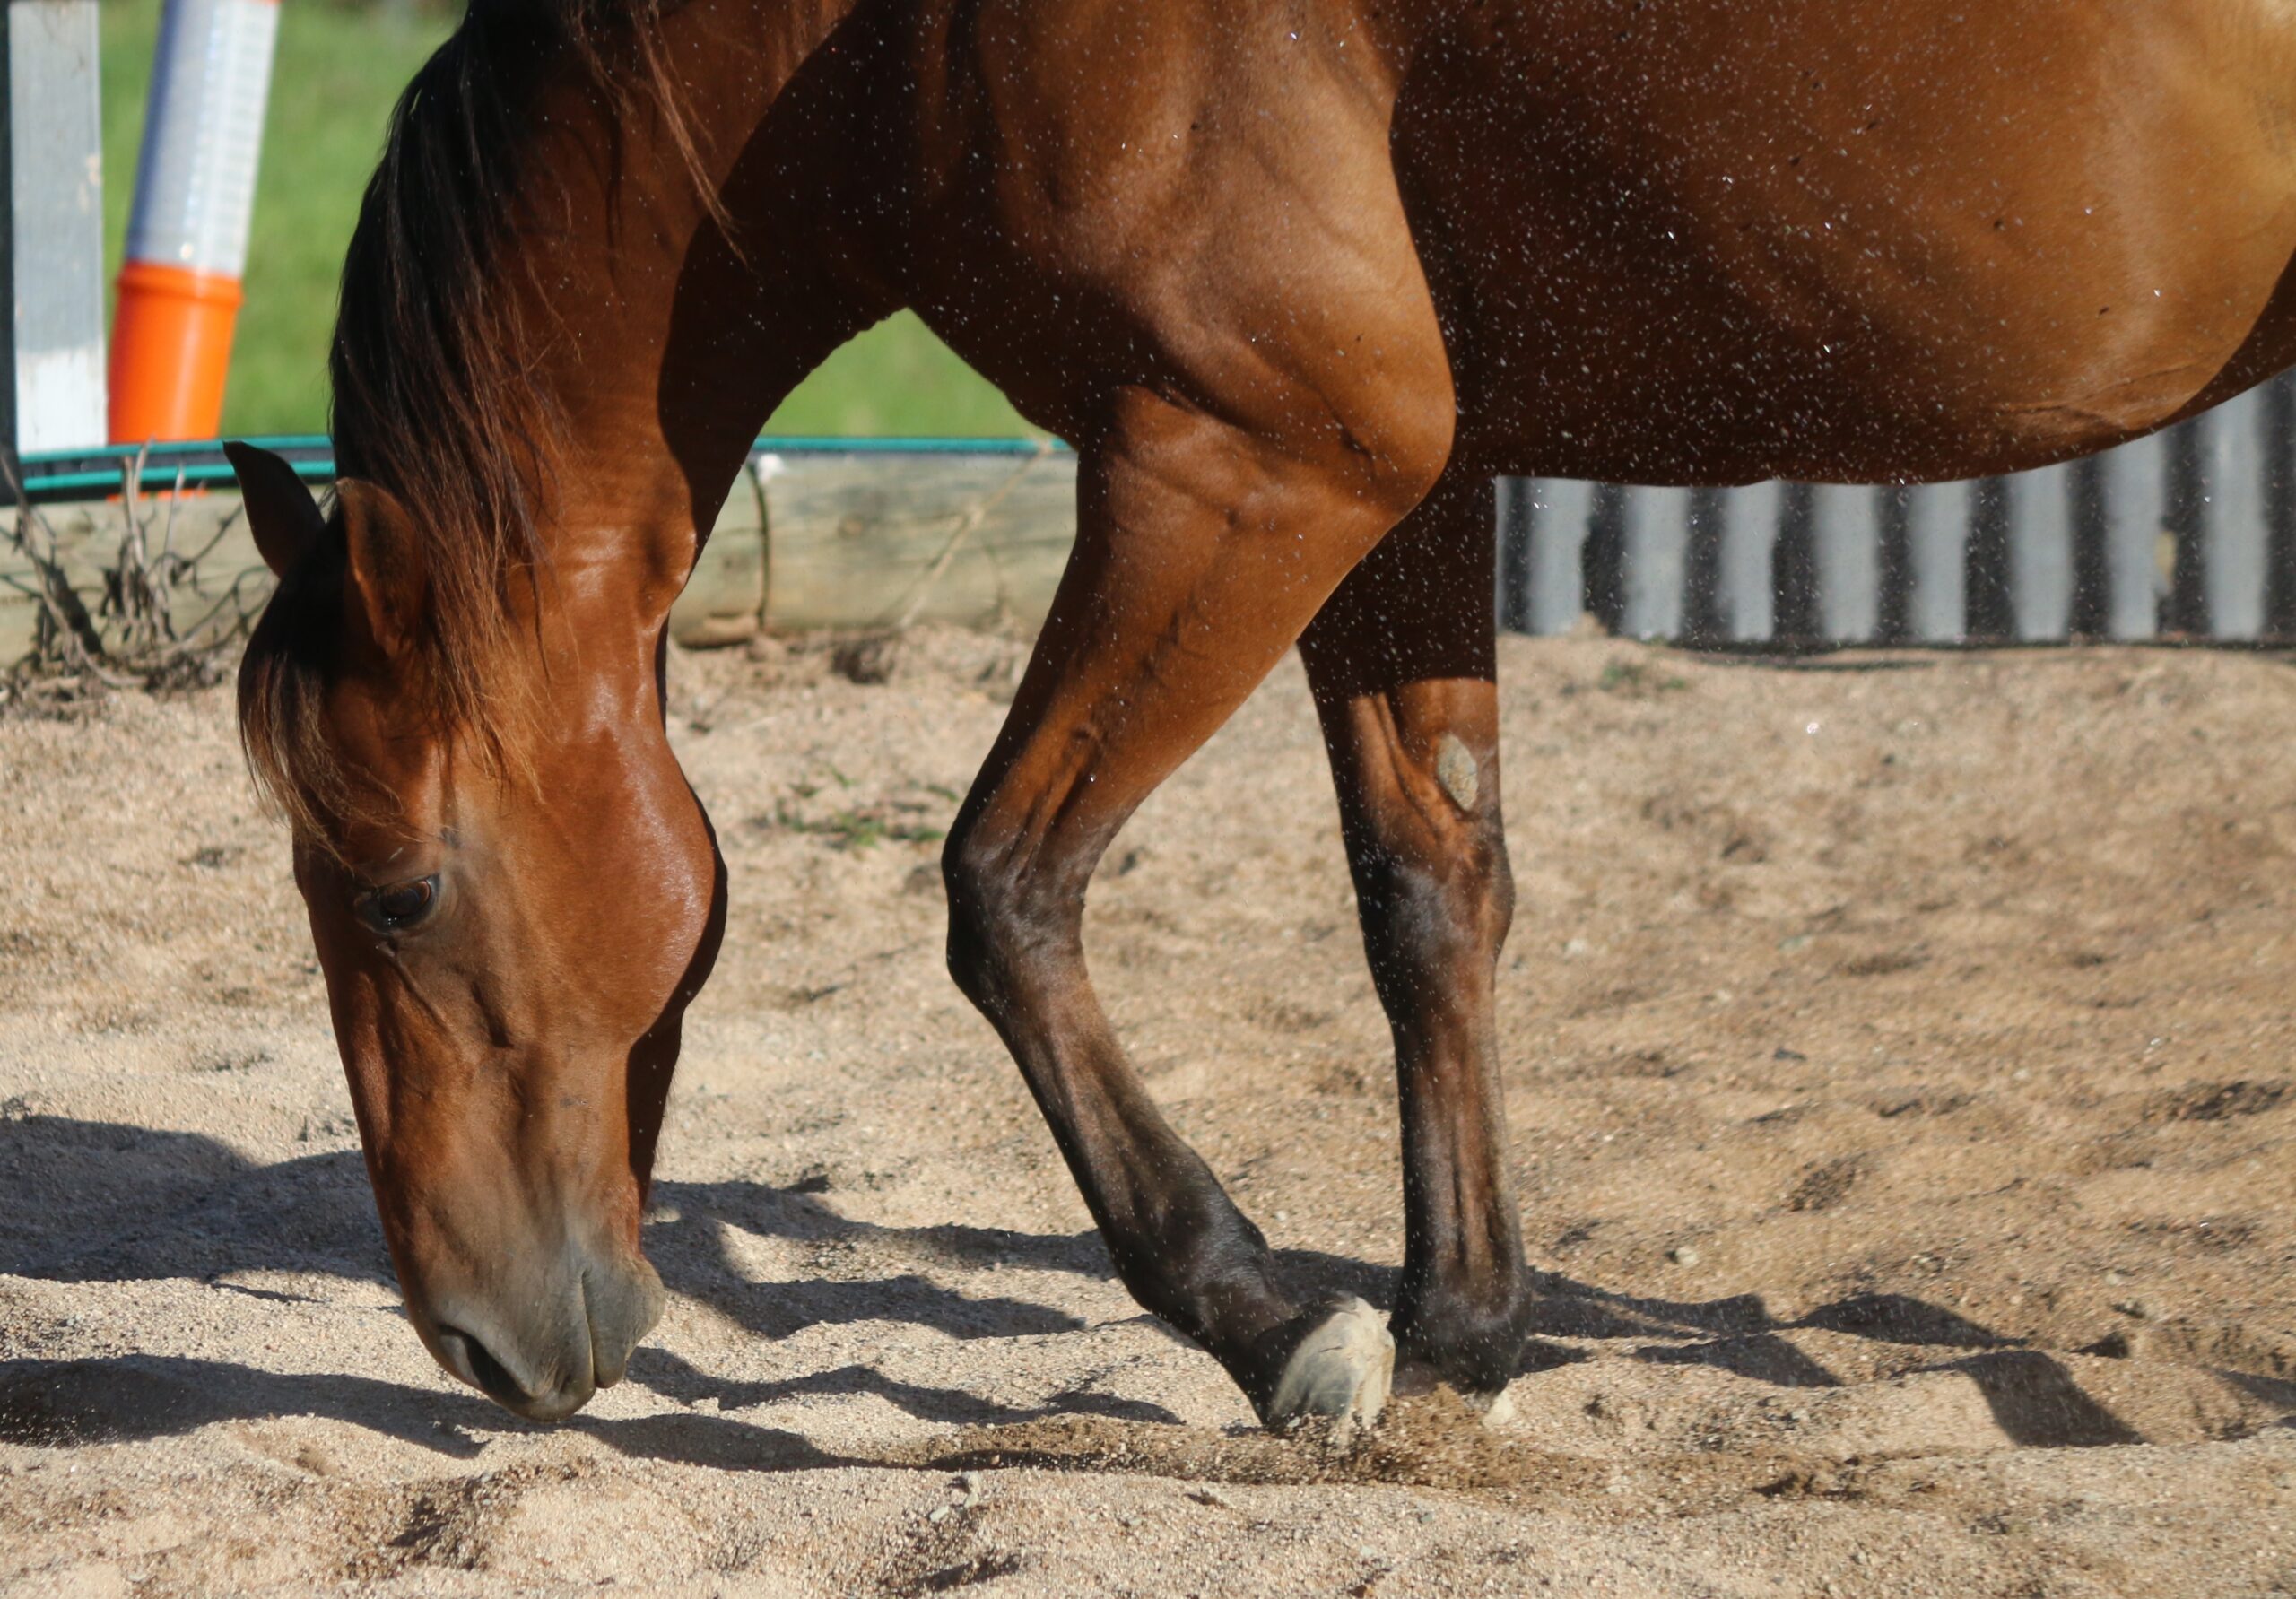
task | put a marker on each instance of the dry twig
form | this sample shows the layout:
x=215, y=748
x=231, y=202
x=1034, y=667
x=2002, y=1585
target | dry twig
x=132, y=637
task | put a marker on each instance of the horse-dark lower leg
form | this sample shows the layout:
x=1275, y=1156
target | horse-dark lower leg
x=1401, y=662
x=1167, y=618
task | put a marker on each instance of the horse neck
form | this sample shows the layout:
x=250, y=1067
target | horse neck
x=668, y=345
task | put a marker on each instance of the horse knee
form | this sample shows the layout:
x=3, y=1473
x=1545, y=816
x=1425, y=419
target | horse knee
x=984, y=899
x=1006, y=916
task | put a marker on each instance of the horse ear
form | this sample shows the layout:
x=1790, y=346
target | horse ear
x=386, y=562
x=281, y=512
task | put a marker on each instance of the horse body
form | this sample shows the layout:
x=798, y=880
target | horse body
x=1296, y=279
x=1664, y=243
x=1883, y=241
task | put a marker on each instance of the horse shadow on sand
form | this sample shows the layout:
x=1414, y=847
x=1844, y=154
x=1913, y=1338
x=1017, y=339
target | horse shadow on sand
x=129, y=1398
x=2034, y=1398
x=103, y=1202
x=95, y=1201
x=99, y=1202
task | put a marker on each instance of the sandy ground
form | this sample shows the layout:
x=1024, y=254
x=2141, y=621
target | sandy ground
x=1899, y=1058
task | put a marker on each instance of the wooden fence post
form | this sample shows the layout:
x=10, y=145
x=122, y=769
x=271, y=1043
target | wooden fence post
x=55, y=163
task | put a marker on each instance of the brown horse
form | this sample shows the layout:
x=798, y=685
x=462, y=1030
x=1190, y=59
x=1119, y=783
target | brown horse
x=1296, y=277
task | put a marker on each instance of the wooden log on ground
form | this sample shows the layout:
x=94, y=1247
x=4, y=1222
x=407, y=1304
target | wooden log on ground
x=882, y=538
x=724, y=602
x=869, y=537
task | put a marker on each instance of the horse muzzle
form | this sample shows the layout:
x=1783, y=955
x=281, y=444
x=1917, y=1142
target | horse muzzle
x=541, y=1353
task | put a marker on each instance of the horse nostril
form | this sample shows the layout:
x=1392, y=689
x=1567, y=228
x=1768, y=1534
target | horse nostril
x=483, y=1367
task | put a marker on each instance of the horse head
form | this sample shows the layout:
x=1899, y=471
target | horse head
x=511, y=918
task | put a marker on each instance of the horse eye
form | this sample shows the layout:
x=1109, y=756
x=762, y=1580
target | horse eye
x=400, y=906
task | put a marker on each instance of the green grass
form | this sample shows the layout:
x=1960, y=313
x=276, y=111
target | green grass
x=338, y=71
x=898, y=378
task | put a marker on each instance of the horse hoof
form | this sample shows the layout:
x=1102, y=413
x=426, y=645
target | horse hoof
x=1492, y=1410
x=1340, y=1373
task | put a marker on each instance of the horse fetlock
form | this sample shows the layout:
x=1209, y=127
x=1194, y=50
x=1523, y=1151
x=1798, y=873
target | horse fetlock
x=1472, y=1343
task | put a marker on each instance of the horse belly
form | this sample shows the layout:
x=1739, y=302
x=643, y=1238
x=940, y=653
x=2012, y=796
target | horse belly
x=1846, y=241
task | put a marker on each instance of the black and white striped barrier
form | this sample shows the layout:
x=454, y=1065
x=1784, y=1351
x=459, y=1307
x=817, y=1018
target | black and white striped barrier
x=2187, y=533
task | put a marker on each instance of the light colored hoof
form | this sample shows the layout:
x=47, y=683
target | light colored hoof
x=1493, y=1410
x=1340, y=1372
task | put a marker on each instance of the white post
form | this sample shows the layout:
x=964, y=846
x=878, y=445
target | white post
x=56, y=137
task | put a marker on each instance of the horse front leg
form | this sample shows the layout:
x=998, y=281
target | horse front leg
x=1401, y=663
x=1201, y=552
